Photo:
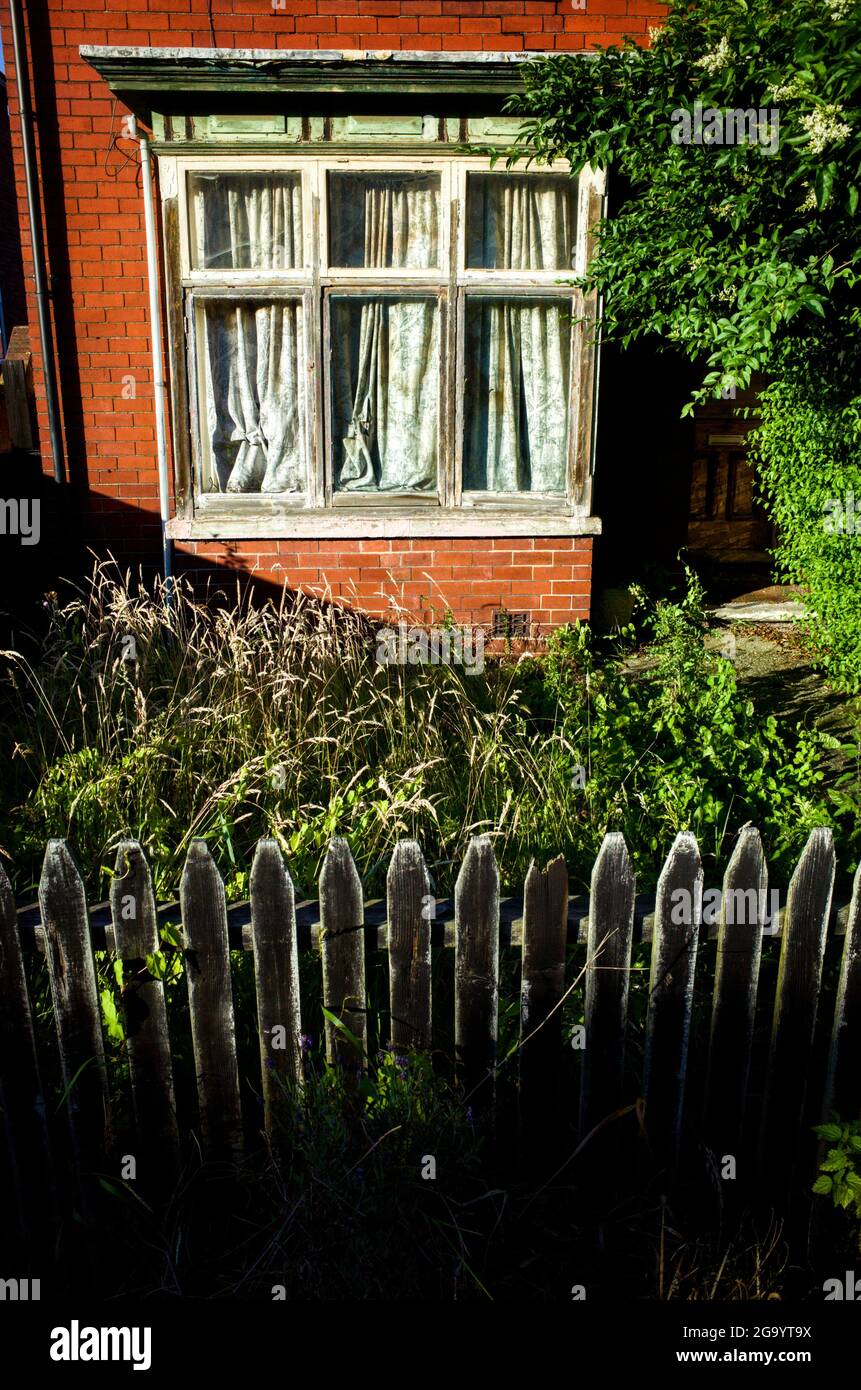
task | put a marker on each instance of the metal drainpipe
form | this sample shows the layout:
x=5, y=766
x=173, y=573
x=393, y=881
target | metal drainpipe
x=159, y=382
x=31, y=177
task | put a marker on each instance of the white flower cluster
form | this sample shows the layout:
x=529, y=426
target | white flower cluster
x=720, y=57
x=793, y=88
x=838, y=9
x=809, y=203
x=823, y=127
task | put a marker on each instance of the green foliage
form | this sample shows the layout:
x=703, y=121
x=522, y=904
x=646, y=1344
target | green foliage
x=678, y=745
x=744, y=259
x=808, y=448
x=840, y=1170
x=241, y=723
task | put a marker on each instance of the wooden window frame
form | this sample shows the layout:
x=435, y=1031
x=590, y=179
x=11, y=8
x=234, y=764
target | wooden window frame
x=323, y=511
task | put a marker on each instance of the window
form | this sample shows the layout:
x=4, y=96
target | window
x=380, y=332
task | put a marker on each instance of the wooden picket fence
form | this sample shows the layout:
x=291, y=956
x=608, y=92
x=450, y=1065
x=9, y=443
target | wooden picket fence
x=478, y=925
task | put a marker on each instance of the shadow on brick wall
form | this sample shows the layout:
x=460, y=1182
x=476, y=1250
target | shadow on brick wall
x=60, y=552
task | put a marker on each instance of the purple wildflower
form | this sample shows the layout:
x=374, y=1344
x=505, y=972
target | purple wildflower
x=307, y=1042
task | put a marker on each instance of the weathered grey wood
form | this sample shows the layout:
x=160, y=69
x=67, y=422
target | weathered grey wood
x=542, y=982
x=342, y=937
x=611, y=930
x=843, y=1083
x=678, y=914
x=410, y=908
x=739, y=949
x=376, y=924
x=133, y=912
x=20, y=1082
x=72, y=974
x=210, y=998
x=18, y=395
x=802, y=949
x=476, y=969
x=276, y=973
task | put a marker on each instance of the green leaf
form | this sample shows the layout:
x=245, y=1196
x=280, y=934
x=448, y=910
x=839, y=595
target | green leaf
x=828, y=1131
x=111, y=1016
x=90, y=1061
x=339, y=1023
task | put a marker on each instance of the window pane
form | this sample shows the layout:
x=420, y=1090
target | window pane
x=254, y=401
x=378, y=221
x=518, y=372
x=245, y=221
x=520, y=221
x=385, y=393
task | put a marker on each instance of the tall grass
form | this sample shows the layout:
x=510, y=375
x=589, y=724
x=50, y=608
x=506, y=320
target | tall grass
x=231, y=721
x=228, y=721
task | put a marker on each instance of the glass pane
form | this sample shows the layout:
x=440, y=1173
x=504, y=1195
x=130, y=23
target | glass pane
x=253, y=364
x=385, y=393
x=377, y=221
x=517, y=389
x=520, y=221
x=245, y=221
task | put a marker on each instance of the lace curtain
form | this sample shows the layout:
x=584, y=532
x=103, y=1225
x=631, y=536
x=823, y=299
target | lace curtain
x=254, y=401
x=385, y=358
x=518, y=356
x=518, y=350
x=520, y=222
x=246, y=221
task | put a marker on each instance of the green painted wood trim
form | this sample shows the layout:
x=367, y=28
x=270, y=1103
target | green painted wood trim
x=143, y=77
x=277, y=144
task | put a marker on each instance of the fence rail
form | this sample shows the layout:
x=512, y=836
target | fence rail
x=479, y=925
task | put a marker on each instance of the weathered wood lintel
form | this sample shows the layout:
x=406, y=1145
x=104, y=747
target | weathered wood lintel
x=138, y=76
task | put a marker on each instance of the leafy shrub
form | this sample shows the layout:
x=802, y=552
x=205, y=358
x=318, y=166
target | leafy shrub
x=840, y=1170
x=808, y=448
x=745, y=259
x=679, y=746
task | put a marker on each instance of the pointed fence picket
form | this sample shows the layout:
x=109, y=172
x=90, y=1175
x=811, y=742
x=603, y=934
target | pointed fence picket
x=342, y=938
x=843, y=1082
x=678, y=914
x=611, y=933
x=21, y=1099
x=210, y=1002
x=542, y=984
x=739, y=948
x=136, y=938
x=408, y=926
x=77, y=1014
x=411, y=908
x=276, y=975
x=808, y=907
x=476, y=969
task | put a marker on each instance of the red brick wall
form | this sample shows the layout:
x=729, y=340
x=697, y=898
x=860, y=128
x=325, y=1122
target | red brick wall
x=548, y=577
x=94, y=220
